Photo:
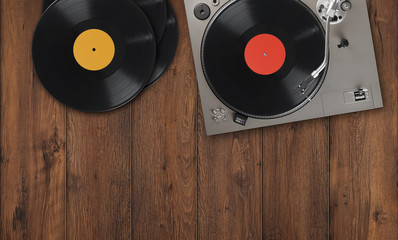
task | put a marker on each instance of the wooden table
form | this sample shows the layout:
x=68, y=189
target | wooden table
x=147, y=170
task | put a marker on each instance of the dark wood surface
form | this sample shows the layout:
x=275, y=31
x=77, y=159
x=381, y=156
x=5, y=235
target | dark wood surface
x=147, y=170
x=296, y=181
x=164, y=150
x=33, y=140
x=98, y=168
x=229, y=185
x=364, y=148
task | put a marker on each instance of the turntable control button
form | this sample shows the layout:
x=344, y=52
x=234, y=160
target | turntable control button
x=214, y=112
x=240, y=119
x=202, y=11
x=343, y=44
x=345, y=6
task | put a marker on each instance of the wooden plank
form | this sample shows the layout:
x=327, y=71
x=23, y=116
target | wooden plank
x=98, y=174
x=164, y=150
x=364, y=148
x=229, y=185
x=32, y=125
x=295, y=181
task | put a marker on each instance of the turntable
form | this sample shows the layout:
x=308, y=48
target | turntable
x=267, y=62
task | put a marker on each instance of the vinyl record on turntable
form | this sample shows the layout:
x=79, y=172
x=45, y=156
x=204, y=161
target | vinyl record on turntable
x=255, y=53
x=94, y=55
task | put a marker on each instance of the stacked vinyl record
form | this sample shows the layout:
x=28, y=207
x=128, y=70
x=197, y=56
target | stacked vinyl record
x=97, y=55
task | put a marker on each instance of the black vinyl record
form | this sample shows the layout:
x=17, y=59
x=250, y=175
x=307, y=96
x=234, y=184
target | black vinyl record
x=167, y=47
x=125, y=39
x=156, y=11
x=291, y=33
x=47, y=3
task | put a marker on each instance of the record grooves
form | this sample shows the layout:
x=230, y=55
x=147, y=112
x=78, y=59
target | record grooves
x=96, y=57
x=167, y=47
x=118, y=82
x=228, y=72
x=155, y=10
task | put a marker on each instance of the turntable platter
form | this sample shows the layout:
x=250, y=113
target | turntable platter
x=255, y=53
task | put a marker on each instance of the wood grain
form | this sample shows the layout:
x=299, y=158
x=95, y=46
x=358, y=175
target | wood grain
x=164, y=150
x=364, y=148
x=295, y=181
x=32, y=125
x=98, y=175
x=147, y=170
x=229, y=184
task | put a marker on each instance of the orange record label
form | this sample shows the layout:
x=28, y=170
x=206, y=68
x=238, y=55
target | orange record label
x=265, y=54
x=94, y=49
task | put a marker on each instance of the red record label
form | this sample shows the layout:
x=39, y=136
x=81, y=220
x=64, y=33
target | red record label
x=265, y=54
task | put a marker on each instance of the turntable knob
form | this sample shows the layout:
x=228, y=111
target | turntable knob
x=345, y=6
x=202, y=11
x=343, y=44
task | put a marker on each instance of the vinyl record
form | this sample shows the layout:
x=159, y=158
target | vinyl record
x=255, y=53
x=167, y=47
x=156, y=11
x=47, y=3
x=94, y=55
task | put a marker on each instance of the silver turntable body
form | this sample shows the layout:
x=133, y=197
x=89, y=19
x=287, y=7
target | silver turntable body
x=351, y=83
